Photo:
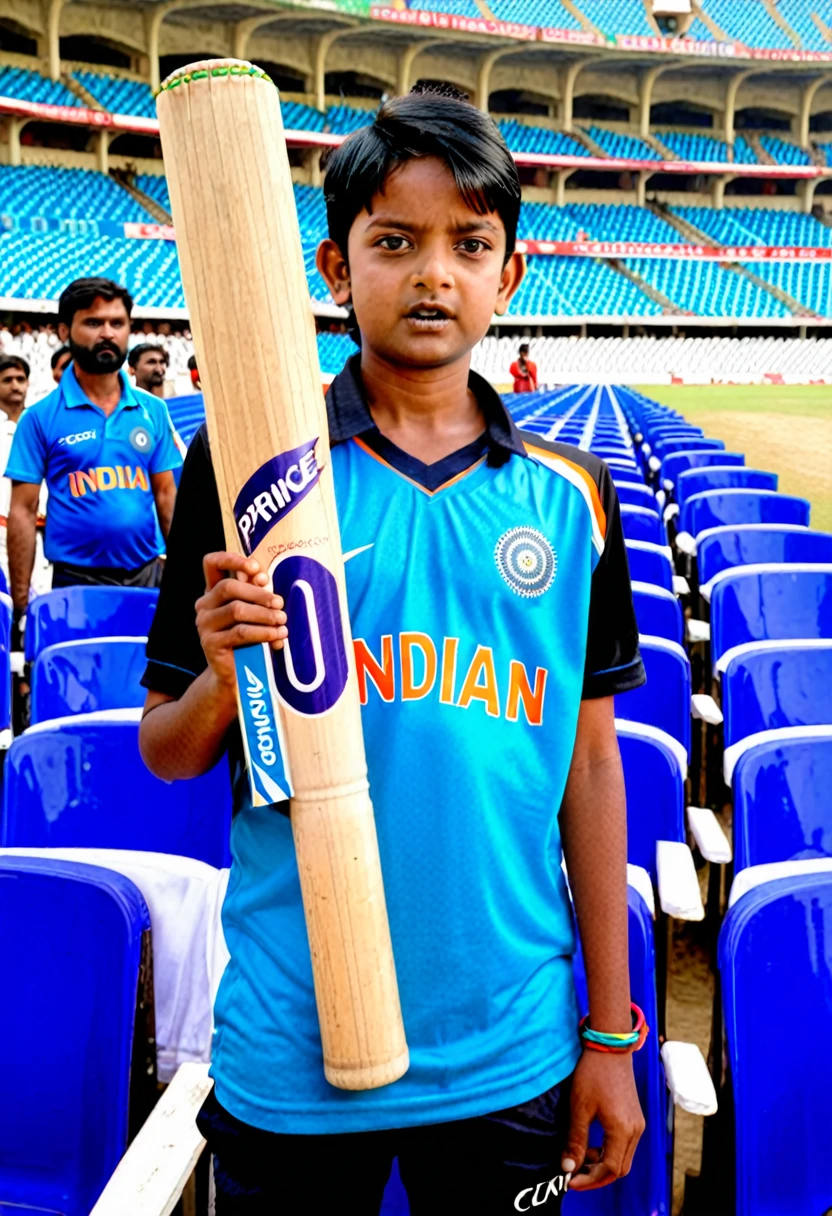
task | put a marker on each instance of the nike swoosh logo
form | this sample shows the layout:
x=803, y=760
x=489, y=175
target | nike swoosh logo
x=354, y=552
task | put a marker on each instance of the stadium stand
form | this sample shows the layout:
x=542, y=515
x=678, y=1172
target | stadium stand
x=579, y=287
x=798, y=13
x=117, y=95
x=343, y=120
x=456, y=8
x=31, y=86
x=784, y=153
x=66, y=194
x=156, y=186
x=758, y=226
x=808, y=283
x=617, y=16
x=521, y=137
x=622, y=146
x=299, y=117
x=697, y=146
x=748, y=22
x=706, y=286
x=536, y=12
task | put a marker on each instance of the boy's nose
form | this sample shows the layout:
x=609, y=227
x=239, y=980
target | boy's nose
x=433, y=275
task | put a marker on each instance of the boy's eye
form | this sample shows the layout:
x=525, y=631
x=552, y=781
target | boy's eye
x=392, y=242
x=472, y=244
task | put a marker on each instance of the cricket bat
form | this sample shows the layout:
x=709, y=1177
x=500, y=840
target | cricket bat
x=245, y=285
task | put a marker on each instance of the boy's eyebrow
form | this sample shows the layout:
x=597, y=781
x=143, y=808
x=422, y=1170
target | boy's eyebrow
x=383, y=221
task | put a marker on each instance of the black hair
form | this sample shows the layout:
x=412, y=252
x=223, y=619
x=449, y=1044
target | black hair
x=142, y=349
x=523, y=346
x=58, y=355
x=192, y=364
x=8, y=361
x=429, y=121
x=83, y=292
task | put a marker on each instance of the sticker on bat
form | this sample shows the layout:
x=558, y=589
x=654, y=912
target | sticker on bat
x=311, y=669
x=268, y=766
x=270, y=494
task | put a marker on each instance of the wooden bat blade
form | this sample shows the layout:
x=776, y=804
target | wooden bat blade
x=245, y=285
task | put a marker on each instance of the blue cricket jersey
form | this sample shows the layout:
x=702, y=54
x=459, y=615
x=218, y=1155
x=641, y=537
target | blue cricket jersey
x=101, y=508
x=488, y=594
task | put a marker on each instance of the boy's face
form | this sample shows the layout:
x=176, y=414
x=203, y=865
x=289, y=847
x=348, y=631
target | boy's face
x=425, y=272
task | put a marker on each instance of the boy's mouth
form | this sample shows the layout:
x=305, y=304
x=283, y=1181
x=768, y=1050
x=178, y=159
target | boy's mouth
x=429, y=316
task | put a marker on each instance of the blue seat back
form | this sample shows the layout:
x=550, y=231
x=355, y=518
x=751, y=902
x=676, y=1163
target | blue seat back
x=636, y=496
x=628, y=475
x=788, y=602
x=81, y=782
x=664, y=701
x=775, y=959
x=715, y=508
x=649, y=564
x=720, y=477
x=71, y=943
x=752, y=544
x=5, y=662
x=677, y=462
x=639, y=523
x=87, y=676
x=655, y=795
x=658, y=613
x=775, y=688
x=782, y=807
x=663, y=447
x=88, y=612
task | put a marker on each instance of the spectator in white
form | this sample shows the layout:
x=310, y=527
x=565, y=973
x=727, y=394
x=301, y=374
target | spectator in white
x=107, y=452
x=14, y=385
x=149, y=365
x=59, y=362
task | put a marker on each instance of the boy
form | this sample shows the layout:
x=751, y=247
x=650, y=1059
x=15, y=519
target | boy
x=524, y=371
x=489, y=594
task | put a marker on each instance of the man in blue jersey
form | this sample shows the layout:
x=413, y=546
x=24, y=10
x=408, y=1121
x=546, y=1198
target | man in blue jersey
x=106, y=451
x=493, y=623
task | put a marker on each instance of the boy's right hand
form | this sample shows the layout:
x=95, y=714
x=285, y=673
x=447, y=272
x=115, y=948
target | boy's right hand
x=237, y=609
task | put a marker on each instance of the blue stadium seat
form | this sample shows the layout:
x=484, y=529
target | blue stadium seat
x=86, y=676
x=118, y=95
x=641, y=523
x=658, y=612
x=666, y=445
x=664, y=701
x=31, y=86
x=677, y=462
x=5, y=670
x=631, y=476
x=722, y=549
x=655, y=782
x=71, y=939
x=721, y=477
x=715, y=508
x=88, y=612
x=756, y=604
x=650, y=564
x=58, y=193
x=634, y=495
x=776, y=685
x=80, y=782
x=782, y=810
x=156, y=186
x=749, y=23
x=775, y=959
x=758, y=225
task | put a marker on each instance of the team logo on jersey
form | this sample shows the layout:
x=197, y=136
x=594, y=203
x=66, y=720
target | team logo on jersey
x=526, y=561
x=140, y=439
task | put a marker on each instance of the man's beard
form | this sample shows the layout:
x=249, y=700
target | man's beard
x=154, y=378
x=97, y=360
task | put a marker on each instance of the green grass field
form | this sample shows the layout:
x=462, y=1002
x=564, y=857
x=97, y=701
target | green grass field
x=784, y=428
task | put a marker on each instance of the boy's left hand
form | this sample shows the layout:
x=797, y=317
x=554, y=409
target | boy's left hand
x=603, y=1088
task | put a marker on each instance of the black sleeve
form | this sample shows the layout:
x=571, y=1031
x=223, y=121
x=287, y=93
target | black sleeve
x=613, y=662
x=174, y=654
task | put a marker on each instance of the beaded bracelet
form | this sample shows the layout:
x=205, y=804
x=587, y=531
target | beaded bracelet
x=598, y=1040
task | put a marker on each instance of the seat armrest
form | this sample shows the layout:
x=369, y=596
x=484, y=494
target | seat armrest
x=671, y=511
x=681, y=586
x=705, y=707
x=17, y=661
x=654, y=464
x=698, y=631
x=152, y=1173
x=711, y=840
x=688, y=1078
x=678, y=884
x=686, y=543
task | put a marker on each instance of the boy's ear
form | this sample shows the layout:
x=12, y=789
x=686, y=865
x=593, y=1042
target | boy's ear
x=63, y=331
x=334, y=270
x=511, y=279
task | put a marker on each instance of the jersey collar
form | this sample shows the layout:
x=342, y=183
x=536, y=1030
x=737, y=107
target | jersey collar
x=349, y=415
x=74, y=395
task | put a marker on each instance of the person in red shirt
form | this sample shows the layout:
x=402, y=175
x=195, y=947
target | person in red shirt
x=524, y=371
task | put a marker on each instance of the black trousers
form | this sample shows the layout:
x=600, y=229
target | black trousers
x=66, y=575
x=493, y=1165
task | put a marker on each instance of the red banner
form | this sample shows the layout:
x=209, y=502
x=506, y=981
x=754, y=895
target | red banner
x=703, y=253
x=578, y=37
x=719, y=50
x=446, y=21
x=150, y=232
x=79, y=115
